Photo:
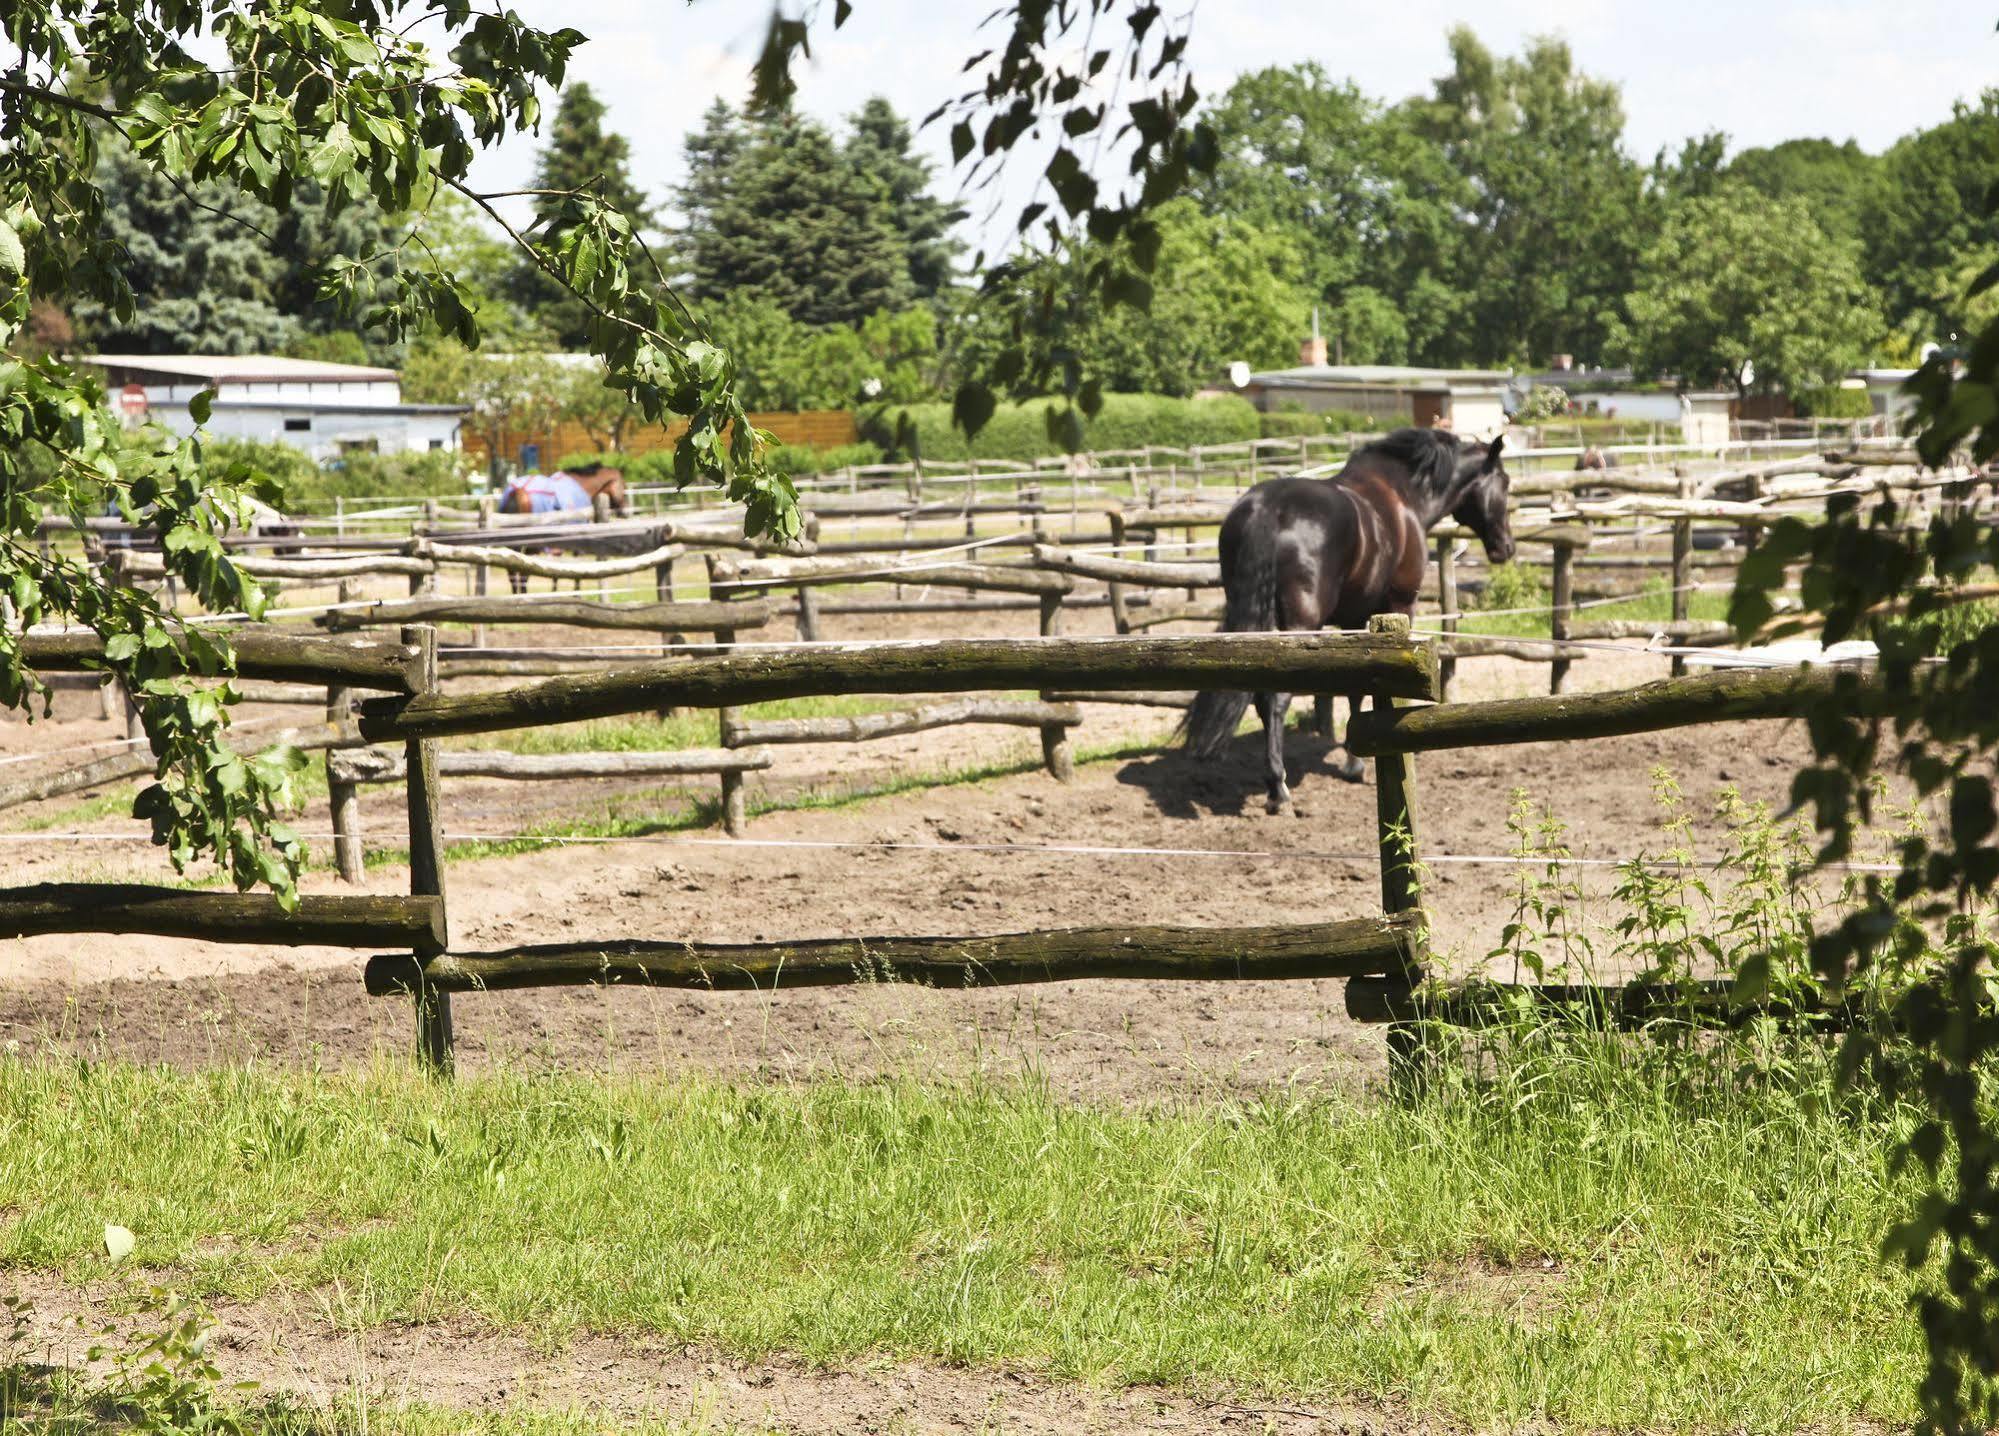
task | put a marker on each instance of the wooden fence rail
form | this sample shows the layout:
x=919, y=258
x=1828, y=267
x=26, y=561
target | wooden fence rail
x=1721, y=696
x=134, y=908
x=1369, y=945
x=1292, y=663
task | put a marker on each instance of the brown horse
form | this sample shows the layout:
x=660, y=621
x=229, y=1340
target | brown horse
x=591, y=480
x=1302, y=554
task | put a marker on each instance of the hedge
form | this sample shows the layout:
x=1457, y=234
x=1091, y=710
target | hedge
x=311, y=488
x=1019, y=431
x=1834, y=401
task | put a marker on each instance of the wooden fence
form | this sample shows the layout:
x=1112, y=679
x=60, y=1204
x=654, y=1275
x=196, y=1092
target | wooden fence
x=1382, y=954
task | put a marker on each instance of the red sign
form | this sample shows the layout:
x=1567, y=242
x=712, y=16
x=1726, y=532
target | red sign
x=132, y=399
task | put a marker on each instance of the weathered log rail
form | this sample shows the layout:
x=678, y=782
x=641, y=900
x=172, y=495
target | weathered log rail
x=139, y=909
x=259, y=653
x=574, y=613
x=1358, y=946
x=1722, y=696
x=866, y=727
x=1296, y=663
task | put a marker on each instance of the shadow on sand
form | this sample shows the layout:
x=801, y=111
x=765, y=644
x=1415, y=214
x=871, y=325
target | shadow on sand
x=1231, y=785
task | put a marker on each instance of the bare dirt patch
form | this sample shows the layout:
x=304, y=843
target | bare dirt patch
x=291, y=1346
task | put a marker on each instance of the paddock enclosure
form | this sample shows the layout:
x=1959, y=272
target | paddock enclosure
x=950, y=617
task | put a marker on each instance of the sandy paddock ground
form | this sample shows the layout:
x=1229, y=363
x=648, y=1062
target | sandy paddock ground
x=922, y=862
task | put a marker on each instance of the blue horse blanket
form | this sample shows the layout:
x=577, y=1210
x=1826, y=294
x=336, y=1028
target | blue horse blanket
x=550, y=493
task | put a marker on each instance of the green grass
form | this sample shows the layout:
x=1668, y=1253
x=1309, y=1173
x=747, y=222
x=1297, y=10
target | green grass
x=1653, y=605
x=1592, y=1247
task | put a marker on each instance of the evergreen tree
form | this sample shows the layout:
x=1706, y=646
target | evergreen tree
x=879, y=149
x=778, y=211
x=217, y=272
x=581, y=154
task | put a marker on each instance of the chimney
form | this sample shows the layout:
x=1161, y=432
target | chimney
x=1313, y=350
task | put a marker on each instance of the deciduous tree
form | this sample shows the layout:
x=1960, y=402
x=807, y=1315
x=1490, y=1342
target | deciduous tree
x=1736, y=278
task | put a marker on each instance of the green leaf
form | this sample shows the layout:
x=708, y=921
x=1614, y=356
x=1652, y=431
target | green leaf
x=334, y=155
x=972, y=407
x=201, y=405
x=13, y=258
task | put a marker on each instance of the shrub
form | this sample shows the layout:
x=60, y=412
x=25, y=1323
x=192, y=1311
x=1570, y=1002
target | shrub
x=1511, y=586
x=309, y=487
x=802, y=459
x=1020, y=431
x=1833, y=401
x=1543, y=401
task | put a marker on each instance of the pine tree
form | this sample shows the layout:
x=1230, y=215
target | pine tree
x=774, y=208
x=879, y=149
x=581, y=154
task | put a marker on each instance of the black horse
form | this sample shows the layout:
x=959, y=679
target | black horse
x=1303, y=554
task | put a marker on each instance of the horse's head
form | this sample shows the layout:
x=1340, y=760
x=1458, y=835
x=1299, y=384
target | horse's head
x=1484, y=491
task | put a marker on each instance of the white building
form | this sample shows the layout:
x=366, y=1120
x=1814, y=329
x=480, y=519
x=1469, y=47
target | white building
x=325, y=409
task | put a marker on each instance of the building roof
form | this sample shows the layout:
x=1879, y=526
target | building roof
x=1375, y=376
x=1581, y=378
x=342, y=406
x=244, y=368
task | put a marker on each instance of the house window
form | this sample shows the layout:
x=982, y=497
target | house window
x=437, y=443
x=298, y=426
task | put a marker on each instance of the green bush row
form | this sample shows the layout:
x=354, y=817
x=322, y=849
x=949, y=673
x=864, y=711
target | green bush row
x=311, y=487
x=1021, y=431
x=1833, y=401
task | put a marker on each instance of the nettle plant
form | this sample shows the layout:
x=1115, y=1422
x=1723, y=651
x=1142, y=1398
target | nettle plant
x=386, y=103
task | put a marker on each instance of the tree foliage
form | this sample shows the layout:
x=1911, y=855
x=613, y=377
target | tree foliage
x=1930, y=217
x=1735, y=278
x=256, y=103
x=1554, y=201
x=582, y=156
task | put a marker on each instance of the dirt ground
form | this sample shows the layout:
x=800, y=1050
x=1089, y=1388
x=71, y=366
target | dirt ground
x=289, y=1345
x=1004, y=854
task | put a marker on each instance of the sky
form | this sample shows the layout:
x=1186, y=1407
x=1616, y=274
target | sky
x=1758, y=70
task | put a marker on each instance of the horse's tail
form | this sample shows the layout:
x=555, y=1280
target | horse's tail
x=1251, y=588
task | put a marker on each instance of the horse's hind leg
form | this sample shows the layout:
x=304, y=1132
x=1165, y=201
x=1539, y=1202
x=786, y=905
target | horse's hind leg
x=1279, y=792
x=1350, y=768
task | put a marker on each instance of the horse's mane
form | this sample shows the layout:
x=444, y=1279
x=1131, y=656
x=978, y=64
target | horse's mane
x=1430, y=456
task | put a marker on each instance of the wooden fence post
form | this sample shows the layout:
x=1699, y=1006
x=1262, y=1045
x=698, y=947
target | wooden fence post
x=433, y=1008
x=1055, y=749
x=735, y=807
x=1401, y=889
x=1683, y=579
x=1447, y=599
x=343, y=798
x=1120, y=615
x=1558, y=620
x=808, y=613
x=480, y=580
